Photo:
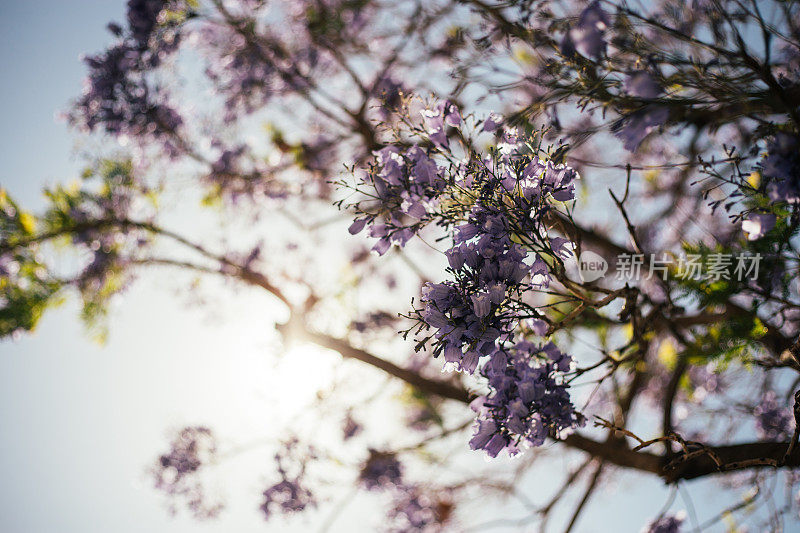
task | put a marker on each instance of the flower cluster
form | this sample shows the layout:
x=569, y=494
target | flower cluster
x=142, y=17
x=287, y=496
x=496, y=209
x=773, y=421
x=117, y=96
x=176, y=471
x=243, y=71
x=588, y=36
x=464, y=312
x=380, y=470
x=666, y=524
x=351, y=427
x=528, y=399
x=416, y=511
x=437, y=119
x=781, y=169
x=407, y=185
x=290, y=494
x=468, y=312
x=634, y=127
x=412, y=508
x=189, y=449
x=388, y=92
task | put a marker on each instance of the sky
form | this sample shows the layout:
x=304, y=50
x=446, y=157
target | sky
x=80, y=422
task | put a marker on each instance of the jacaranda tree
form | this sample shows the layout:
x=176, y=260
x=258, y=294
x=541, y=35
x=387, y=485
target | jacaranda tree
x=555, y=227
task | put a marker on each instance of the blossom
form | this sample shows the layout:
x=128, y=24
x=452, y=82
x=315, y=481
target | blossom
x=472, y=314
x=633, y=128
x=413, y=510
x=642, y=84
x=492, y=122
x=756, y=225
x=142, y=16
x=357, y=225
x=287, y=496
x=670, y=523
x=488, y=266
x=437, y=120
x=781, y=169
x=117, y=99
x=117, y=96
x=773, y=421
x=176, y=472
x=481, y=304
x=381, y=469
x=351, y=427
x=407, y=185
x=528, y=399
x=463, y=310
x=290, y=494
x=588, y=35
x=389, y=93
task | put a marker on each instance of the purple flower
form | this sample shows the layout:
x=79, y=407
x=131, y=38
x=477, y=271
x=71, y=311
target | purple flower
x=290, y=494
x=642, y=84
x=452, y=353
x=423, y=168
x=588, y=35
x=142, y=15
x=437, y=120
x=773, y=420
x=492, y=122
x=781, y=169
x=413, y=207
x=528, y=399
x=497, y=292
x=351, y=427
x=286, y=496
x=469, y=362
x=489, y=268
x=561, y=361
x=540, y=274
x=561, y=247
x=380, y=470
x=666, y=524
x=538, y=326
x=415, y=511
x=481, y=304
x=455, y=258
x=440, y=294
x=407, y=186
x=357, y=225
x=449, y=113
x=484, y=430
x=633, y=128
x=465, y=232
x=389, y=92
x=175, y=473
x=382, y=246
